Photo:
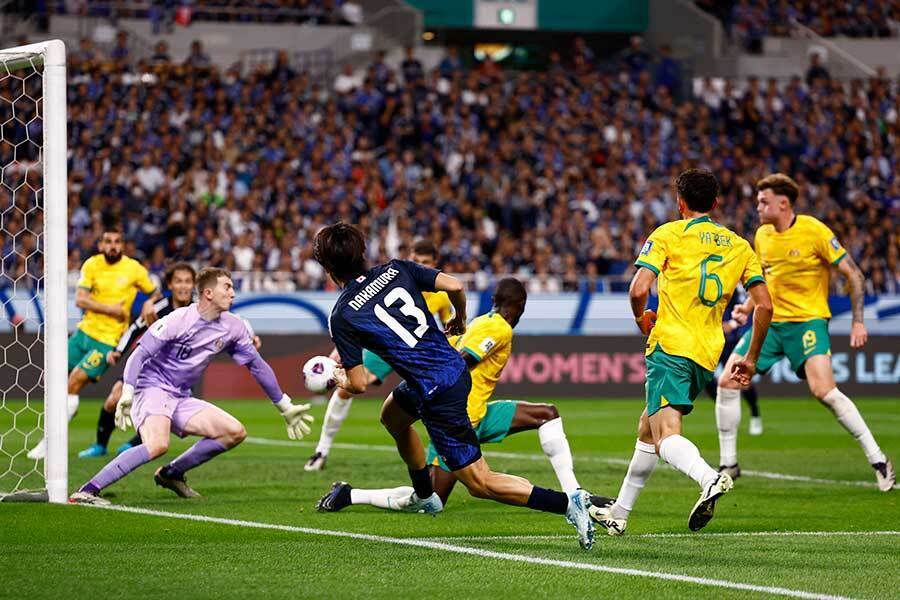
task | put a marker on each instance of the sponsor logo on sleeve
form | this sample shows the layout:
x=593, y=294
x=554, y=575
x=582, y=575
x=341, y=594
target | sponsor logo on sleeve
x=486, y=345
x=835, y=243
x=648, y=245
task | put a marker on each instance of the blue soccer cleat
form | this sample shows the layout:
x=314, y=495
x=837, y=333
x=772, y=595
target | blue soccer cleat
x=94, y=451
x=124, y=447
x=578, y=517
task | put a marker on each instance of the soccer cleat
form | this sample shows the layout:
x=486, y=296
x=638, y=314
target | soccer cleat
x=577, y=516
x=38, y=452
x=316, y=462
x=80, y=497
x=336, y=499
x=123, y=448
x=93, y=451
x=706, y=505
x=756, y=426
x=885, y=475
x=431, y=505
x=734, y=471
x=601, y=513
x=176, y=484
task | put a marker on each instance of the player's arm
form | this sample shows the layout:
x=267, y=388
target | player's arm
x=456, y=291
x=743, y=370
x=150, y=344
x=244, y=352
x=432, y=280
x=134, y=331
x=848, y=268
x=650, y=262
x=146, y=285
x=84, y=301
x=638, y=293
x=351, y=375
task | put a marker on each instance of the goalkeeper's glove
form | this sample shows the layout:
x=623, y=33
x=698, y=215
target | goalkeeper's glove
x=123, y=408
x=295, y=417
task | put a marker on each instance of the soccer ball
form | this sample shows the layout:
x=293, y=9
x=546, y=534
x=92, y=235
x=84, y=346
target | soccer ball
x=318, y=374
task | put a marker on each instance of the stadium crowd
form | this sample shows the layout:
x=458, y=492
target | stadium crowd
x=748, y=21
x=558, y=175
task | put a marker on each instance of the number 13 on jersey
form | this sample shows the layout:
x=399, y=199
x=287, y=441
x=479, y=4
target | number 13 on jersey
x=407, y=307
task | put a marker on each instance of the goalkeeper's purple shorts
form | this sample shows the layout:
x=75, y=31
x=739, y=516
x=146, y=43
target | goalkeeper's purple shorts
x=156, y=402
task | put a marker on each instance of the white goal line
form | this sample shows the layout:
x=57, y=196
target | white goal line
x=506, y=556
x=579, y=457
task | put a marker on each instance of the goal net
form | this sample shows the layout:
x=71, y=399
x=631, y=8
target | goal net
x=33, y=256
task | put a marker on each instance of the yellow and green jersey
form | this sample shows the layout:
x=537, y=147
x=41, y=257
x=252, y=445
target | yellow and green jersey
x=488, y=339
x=439, y=305
x=699, y=263
x=796, y=264
x=111, y=284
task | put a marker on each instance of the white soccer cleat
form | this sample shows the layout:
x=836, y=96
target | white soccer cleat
x=39, y=452
x=885, y=476
x=756, y=426
x=431, y=505
x=706, y=505
x=316, y=462
x=603, y=516
x=88, y=498
x=577, y=516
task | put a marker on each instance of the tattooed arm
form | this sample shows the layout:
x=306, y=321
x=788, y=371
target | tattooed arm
x=848, y=268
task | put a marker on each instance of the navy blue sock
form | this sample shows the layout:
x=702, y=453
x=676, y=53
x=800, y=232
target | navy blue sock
x=548, y=500
x=105, y=426
x=421, y=481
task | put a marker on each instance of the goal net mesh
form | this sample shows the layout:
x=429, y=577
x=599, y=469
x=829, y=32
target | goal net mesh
x=21, y=270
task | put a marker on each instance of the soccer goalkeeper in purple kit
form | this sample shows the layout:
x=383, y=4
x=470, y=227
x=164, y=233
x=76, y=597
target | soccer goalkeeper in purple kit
x=156, y=397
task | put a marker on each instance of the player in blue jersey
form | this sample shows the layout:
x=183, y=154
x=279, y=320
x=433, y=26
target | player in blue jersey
x=382, y=309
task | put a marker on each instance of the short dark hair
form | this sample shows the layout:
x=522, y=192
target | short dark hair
x=426, y=247
x=509, y=290
x=209, y=277
x=111, y=224
x=698, y=188
x=780, y=184
x=341, y=249
x=179, y=266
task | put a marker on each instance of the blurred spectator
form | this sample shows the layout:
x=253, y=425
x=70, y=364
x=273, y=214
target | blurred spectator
x=816, y=71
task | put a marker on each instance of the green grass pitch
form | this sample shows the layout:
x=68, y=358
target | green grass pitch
x=80, y=552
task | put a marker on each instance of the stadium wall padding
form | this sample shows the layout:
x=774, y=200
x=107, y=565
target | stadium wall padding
x=557, y=366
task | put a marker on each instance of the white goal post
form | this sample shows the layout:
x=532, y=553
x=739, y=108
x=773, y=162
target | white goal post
x=34, y=183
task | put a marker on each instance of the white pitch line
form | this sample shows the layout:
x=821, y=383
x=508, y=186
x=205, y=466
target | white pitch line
x=581, y=457
x=522, y=558
x=725, y=534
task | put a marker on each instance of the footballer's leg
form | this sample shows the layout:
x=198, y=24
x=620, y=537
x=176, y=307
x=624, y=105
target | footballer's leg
x=545, y=418
x=728, y=418
x=219, y=432
x=155, y=430
x=751, y=397
x=398, y=413
x=822, y=385
x=337, y=411
x=614, y=515
x=682, y=454
x=106, y=423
